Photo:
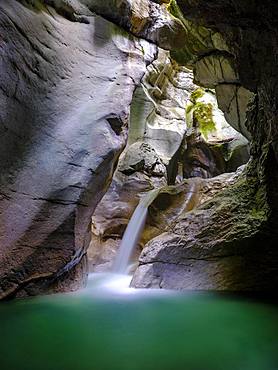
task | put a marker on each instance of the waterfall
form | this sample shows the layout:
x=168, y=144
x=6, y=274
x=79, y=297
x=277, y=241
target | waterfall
x=137, y=222
x=133, y=232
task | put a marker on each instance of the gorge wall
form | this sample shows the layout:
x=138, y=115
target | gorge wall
x=230, y=241
x=69, y=72
x=66, y=86
x=176, y=132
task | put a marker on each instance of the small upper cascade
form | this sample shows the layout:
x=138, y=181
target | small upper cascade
x=133, y=232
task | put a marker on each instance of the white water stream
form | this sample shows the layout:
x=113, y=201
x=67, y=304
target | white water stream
x=133, y=232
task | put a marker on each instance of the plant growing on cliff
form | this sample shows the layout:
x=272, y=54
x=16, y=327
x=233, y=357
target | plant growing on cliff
x=201, y=113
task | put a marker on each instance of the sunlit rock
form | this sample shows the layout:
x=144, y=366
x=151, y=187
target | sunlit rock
x=158, y=107
x=141, y=157
x=144, y=18
x=65, y=92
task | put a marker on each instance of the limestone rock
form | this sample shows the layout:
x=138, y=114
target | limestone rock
x=233, y=100
x=158, y=107
x=214, y=70
x=218, y=246
x=198, y=41
x=143, y=158
x=113, y=214
x=202, y=111
x=143, y=18
x=117, y=206
x=213, y=146
x=65, y=89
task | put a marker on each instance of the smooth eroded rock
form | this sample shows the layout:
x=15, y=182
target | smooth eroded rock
x=65, y=90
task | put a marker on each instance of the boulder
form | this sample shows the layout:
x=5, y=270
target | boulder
x=141, y=157
x=233, y=100
x=214, y=70
x=216, y=246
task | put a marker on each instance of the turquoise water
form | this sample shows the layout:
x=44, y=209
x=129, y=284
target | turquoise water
x=124, y=329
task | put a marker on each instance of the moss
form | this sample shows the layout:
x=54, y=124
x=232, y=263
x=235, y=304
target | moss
x=197, y=94
x=258, y=214
x=202, y=113
x=245, y=198
x=189, y=107
x=35, y=5
x=173, y=8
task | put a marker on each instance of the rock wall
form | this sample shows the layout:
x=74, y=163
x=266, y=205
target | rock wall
x=68, y=74
x=176, y=131
x=65, y=90
x=158, y=106
x=228, y=243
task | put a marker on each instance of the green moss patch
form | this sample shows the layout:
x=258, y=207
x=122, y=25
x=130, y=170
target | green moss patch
x=202, y=113
x=197, y=94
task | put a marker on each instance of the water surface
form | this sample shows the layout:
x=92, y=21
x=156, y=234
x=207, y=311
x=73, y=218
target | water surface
x=111, y=327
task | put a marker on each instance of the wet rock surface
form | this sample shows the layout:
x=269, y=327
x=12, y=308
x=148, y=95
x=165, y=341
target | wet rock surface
x=114, y=211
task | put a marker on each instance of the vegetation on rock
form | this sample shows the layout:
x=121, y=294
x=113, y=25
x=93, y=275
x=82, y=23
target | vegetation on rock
x=202, y=113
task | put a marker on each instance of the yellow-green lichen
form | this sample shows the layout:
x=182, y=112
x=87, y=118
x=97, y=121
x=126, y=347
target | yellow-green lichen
x=204, y=117
x=189, y=107
x=197, y=94
x=173, y=8
x=35, y=5
x=201, y=113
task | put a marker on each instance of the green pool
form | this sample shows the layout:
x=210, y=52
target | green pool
x=124, y=330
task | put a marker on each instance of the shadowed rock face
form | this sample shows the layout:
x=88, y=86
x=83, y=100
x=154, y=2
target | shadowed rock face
x=250, y=31
x=230, y=242
x=219, y=245
x=65, y=91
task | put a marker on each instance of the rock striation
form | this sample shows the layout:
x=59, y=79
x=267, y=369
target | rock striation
x=65, y=90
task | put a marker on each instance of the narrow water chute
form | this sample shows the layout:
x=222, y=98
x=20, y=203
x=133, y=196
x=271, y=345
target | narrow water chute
x=133, y=232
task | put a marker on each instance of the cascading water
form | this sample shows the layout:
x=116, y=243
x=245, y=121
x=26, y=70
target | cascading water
x=133, y=232
x=116, y=327
x=137, y=222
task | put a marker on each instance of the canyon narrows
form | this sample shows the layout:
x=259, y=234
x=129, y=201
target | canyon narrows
x=103, y=101
x=138, y=184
